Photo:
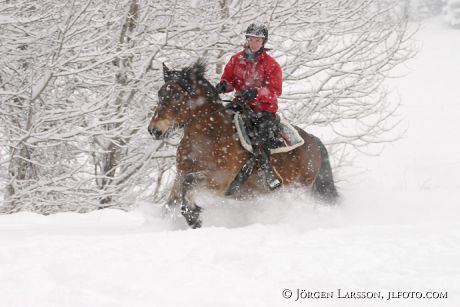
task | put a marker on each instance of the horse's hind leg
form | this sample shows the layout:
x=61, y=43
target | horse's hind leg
x=189, y=209
x=324, y=184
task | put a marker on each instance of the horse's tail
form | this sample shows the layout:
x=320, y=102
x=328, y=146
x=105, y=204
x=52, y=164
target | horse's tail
x=324, y=186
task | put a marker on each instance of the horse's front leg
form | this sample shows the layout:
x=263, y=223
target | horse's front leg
x=189, y=209
x=174, y=202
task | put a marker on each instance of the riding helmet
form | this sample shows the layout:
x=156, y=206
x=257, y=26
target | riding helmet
x=257, y=30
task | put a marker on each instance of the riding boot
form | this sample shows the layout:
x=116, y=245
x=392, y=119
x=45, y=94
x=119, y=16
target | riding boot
x=263, y=157
x=241, y=177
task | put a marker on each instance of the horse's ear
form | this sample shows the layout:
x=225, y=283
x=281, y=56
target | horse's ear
x=166, y=73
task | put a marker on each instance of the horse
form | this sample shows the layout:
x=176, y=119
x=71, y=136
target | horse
x=210, y=154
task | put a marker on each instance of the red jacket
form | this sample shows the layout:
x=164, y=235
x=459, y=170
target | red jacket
x=265, y=75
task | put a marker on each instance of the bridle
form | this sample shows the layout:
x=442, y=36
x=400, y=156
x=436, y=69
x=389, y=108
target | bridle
x=189, y=91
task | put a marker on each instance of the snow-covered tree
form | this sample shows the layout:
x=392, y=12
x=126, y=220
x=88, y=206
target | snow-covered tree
x=78, y=79
x=335, y=56
x=451, y=12
x=71, y=122
x=39, y=110
x=426, y=8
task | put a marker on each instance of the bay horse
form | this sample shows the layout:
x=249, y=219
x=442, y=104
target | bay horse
x=210, y=155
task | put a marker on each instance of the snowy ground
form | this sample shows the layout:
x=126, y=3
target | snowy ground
x=397, y=229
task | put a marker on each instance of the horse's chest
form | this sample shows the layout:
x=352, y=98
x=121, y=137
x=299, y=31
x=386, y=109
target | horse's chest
x=194, y=150
x=204, y=152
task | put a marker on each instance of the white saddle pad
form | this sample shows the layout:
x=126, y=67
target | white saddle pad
x=291, y=137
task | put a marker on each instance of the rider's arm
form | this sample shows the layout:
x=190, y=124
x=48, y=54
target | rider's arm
x=269, y=93
x=228, y=75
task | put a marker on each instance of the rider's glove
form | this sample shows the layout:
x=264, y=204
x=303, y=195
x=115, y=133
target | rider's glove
x=221, y=87
x=237, y=105
x=249, y=94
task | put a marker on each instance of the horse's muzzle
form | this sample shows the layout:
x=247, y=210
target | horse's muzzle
x=156, y=133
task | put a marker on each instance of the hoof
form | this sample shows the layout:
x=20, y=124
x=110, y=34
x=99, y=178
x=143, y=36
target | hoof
x=195, y=225
x=192, y=216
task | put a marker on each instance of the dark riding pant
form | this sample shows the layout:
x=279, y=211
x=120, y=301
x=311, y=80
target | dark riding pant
x=263, y=126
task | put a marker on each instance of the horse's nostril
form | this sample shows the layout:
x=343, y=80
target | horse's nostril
x=157, y=133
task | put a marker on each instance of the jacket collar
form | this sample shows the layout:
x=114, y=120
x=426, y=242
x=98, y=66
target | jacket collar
x=253, y=56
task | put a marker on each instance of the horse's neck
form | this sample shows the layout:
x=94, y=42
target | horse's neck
x=210, y=119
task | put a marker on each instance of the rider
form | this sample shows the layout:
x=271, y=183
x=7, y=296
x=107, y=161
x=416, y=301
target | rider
x=257, y=79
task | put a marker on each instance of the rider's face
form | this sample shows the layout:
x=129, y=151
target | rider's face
x=255, y=43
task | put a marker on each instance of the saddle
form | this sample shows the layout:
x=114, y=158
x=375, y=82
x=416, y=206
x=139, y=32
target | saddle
x=286, y=137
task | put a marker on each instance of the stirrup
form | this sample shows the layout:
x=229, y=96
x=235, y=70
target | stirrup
x=270, y=178
x=273, y=182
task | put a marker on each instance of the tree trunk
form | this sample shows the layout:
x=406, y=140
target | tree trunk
x=113, y=154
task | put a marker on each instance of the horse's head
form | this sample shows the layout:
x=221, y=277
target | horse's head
x=179, y=98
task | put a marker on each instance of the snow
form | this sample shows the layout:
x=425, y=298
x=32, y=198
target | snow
x=397, y=229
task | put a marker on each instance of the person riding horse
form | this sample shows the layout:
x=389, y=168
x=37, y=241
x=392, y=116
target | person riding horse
x=257, y=79
x=210, y=153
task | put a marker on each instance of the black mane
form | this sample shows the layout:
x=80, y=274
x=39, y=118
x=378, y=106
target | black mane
x=195, y=73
